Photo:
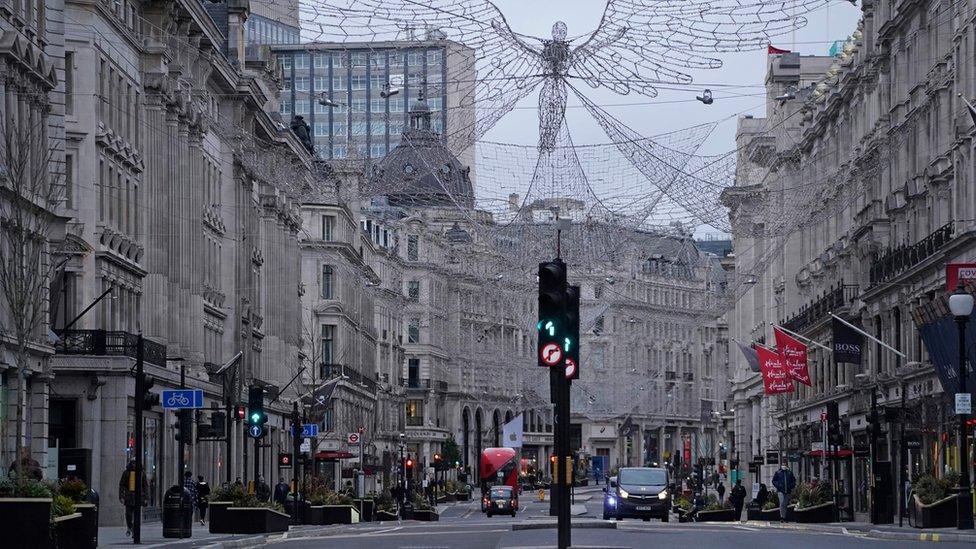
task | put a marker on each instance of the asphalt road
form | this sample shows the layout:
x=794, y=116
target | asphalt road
x=463, y=526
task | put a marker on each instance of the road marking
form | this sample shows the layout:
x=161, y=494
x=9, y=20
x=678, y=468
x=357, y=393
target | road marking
x=746, y=528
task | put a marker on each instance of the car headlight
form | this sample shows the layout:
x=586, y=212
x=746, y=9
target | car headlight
x=663, y=495
x=623, y=493
x=612, y=501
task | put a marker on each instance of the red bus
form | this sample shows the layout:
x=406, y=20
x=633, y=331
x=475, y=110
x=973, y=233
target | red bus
x=498, y=466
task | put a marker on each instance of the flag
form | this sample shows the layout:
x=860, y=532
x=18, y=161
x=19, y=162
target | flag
x=773, y=50
x=794, y=355
x=972, y=109
x=320, y=399
x=512, y=433
x=848, y=343
x=750, y=355
x=776, y=378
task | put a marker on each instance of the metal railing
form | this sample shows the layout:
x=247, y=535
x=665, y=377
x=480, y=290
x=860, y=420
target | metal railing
x=836, y=297
x=894, y=261
x=109, y=343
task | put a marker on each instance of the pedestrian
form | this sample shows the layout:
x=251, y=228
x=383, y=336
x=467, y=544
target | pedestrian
x=428, y=493
x=280, y=492
x=261, y=489
x=762, y=495
x=203, y=498
x=737, y=497
x=26, y=466
x=721, y=492
x=189, y=490
x=697, y=504
x=238, y=483
x=784, y=482
x=127, y=494
x=596, y=475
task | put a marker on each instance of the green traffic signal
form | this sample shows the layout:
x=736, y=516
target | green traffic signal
x=255, y=417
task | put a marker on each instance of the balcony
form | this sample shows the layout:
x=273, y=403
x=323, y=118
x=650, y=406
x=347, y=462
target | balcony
x=330, y=371
x=109, y=343
x=836, y=297
x=424, y=384
x=894, y=261
x=415, y=421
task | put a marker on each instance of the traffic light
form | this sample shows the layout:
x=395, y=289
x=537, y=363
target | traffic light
x=149, y=399
x=184, y=426
x=284, y=460
x=408, y=467
x=834, y=435
x=571, y=338
x=552, y=311
x=256, y=417
x=437, y=461
x=241, y=414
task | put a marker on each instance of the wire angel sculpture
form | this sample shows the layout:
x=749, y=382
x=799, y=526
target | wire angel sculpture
x=637, y=46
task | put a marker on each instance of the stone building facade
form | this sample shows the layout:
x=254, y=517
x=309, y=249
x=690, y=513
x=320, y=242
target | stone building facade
x=883, y=132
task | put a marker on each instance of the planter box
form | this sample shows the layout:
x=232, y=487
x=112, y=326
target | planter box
x=302, y=510
x=941, y=514
x=427, y=515
x=825, y=512
x=773, y=514
x=225, y=519
x=66, y=531
x=89, y=516
x=366, y=508
x=446, y=498
x=340, y=514
x=386, y=515
x=724, y=515
x=26, y=521
x=463, y=496
x=754, y=513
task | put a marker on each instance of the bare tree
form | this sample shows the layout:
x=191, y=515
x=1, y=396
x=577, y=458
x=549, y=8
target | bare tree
x=31, y=190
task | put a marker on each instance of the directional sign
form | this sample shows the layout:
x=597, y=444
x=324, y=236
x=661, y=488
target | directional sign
x=177, y=399
x=305, y=447
x=964, y=403
x=352, y=438
x=309, y=430
x=255, y=431
x=551, y=354
x=570, y=368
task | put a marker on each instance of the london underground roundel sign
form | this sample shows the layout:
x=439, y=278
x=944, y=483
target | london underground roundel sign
x=551, y=354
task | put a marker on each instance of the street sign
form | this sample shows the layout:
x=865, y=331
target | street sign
x=964, y=403
x=306, y=446
x=255, y=431
x=309, y=430
x=772, y=457
x=178, y=399
x=284, y=460
x=352, y=438
x=959, y=272
x=551, y=354
x=570, y=368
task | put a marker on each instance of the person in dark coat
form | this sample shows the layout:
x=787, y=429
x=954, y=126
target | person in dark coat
x=737, y=497
x=203, y=498
x=261, y=490
x=127, y=494
x=280, y=492
x=721, y=492
x=785, y=482
x=762, y=495
x=26, y=466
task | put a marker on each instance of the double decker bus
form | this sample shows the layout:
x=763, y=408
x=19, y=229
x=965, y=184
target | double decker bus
x=498, y=466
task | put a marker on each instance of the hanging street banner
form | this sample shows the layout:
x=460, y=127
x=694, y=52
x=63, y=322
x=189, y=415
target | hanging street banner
x=794, y=355
x=959, y=272
x=941, y=339
x=751, y=357
x=776, y=378
x=848, y=344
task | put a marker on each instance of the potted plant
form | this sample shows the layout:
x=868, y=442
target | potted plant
x=339, y=509
x=716, y=512
x=770, y=511
x=422, y=510
x=67, y=524
x=934, y=503
x=463, y=493
x=813, y=503
x=684, y=508
x=234, y=511
x=86, y=536
x=386, y=507
x=25, y=512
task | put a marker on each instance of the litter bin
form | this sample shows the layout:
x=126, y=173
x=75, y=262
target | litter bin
x=177, y=513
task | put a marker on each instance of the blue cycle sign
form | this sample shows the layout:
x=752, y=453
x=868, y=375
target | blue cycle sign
x=177, y=399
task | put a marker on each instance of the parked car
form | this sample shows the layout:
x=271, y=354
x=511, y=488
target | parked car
x=638, y=492
x=501, y=499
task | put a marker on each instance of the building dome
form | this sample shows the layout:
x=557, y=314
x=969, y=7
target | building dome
x=420, y=171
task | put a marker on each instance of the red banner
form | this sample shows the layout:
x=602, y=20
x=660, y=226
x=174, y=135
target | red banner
x=776, y=378
x=773, y=50
x=794, y=355
x=959, y=272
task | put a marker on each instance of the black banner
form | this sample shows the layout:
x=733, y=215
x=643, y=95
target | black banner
x=848, y=343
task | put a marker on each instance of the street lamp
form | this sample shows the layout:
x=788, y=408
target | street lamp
x=400, y=474
x=961, y=305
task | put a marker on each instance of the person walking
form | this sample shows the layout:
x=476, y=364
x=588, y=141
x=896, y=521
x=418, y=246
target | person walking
x=737, y=497
x=721, y=492
x=280, y=492
x=784, y=482
x=261, y=490
x=203, y=498
x=596, y=475
x=190, y=491
x=127, y=494
x=26, y=467
x=762, y=495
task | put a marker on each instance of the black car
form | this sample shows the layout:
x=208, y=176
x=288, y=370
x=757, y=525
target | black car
x=501, y=500
x=638, y=492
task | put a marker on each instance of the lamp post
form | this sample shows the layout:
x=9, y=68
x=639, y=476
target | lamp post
x=400, y=475
x=961, y=305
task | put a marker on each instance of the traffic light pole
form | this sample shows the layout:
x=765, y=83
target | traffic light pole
x=563, y=458
x=140, y=390
x=181, y=457
x=295, y=450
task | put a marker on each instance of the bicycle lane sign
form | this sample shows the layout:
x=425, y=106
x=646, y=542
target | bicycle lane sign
x=175, y=399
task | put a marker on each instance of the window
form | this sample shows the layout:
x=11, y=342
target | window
x=434, y=103
x=328, y=279
x=321, y=83
x=327, y=343
x=377, y=82
x=358, y=59
x=358, y=104
x=301, y=83
x=413, y=290
x=413, y=247
x=286, y=106
x=396, y=104
x=413, y=330
x=377, y=150
x=301, y=61
x=338, y=60
x=328, y=227
x=358, y=81
x=321, y=61
x=413, y=372
x=339, y=83
x=378, y=127
x=434, y=57
x=377, y=104
x=69, y=181
x=339, y=151
x=69, y=82
x=415, y=413
x=377, y=60
x=359, y=127
x=415, y=58
x=301, y=107
x=320, y=129
x=339, y=128
x=285, y=62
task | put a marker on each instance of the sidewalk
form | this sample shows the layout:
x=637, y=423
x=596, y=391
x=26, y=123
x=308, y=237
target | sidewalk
x=881, y=531
x=152, y=536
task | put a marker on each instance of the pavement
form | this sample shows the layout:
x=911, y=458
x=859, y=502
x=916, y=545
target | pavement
x=464, y=526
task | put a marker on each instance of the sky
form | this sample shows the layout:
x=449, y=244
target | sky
x=737, y=87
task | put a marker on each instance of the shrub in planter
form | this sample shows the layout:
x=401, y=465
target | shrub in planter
x=425, y=515
x=366, y=508
x=340, y=514
x=386, y=514
x=716, y=515
x=26, y=512
x=234, y=511
x=66, y=530
x=938, y=514
x=929, y=489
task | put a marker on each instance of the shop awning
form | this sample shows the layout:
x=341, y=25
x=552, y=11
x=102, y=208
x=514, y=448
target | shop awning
x=333, y=455
x=843, y=452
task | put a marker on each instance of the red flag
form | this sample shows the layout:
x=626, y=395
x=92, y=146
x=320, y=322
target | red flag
x=794, y=355
x=773, y=50
x=776, y=378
